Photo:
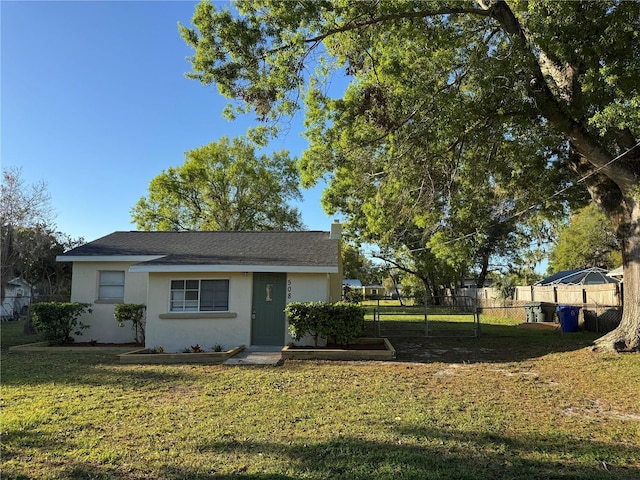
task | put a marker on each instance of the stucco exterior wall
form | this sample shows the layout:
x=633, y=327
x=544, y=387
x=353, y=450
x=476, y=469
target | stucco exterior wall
x=177, y=331
x=303, y=287
x=84, y=288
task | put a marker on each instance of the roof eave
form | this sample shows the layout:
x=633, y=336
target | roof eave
x=107, y=258
x=233, y=268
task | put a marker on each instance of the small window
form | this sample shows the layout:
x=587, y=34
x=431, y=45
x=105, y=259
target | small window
x=199, y=296
x=111, y=286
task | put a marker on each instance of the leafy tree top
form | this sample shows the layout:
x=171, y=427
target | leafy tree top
x=223, y=186
x=587, y=240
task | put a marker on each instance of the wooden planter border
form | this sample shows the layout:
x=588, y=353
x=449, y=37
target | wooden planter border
x=138, y=357
x=295, y=353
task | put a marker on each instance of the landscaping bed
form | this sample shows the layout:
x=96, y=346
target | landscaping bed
x=360, y=349
x=147, y=356
x=76, y=347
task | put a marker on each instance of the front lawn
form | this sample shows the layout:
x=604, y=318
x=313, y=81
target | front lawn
x=545, y=413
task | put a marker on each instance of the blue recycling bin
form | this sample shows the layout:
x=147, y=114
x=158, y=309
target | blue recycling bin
x=568, y=317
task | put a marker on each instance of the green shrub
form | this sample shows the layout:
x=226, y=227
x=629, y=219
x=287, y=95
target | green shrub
x=57, y=321
x=352, y=295
x=342, y=322
x=134, y=313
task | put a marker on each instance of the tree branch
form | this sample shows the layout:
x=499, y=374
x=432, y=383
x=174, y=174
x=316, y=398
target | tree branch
x=399, y=16
x=354, y=25
x=584, y=143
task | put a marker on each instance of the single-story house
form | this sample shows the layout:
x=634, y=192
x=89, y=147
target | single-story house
x=373, y=291
x=16, y=300
x=205, y=288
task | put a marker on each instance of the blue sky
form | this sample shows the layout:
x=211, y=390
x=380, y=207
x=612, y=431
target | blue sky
x=94, y=102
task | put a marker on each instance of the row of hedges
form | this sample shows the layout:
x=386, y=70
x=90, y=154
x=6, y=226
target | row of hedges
x=342, y=322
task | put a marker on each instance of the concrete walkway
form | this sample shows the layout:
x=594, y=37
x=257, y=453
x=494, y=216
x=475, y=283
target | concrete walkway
x=257, y=355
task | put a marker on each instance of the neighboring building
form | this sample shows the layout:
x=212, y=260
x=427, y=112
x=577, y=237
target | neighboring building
x=373, y=291
x=352, y=283
x=206, y=288
x=472, y=283
x=17, y=298
x=352, y=290
x=617, y=273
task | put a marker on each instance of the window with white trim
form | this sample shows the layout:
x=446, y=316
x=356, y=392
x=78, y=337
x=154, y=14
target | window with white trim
x=199, y=296
x=111, y=286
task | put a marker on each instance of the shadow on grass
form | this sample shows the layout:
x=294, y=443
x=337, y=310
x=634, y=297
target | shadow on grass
x=453, y=342
x=443, y=454
x=416, y=453
x=434, y=455
x=24, y=368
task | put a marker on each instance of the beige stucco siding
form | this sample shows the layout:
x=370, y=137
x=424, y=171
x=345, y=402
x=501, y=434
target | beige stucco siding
x=183, y=330
x=84, y=288
x=173, y=331
x=307, y=287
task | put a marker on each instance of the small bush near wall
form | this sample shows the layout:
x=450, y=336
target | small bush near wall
x=134, y=313
x=340, y=321
x=57, y=321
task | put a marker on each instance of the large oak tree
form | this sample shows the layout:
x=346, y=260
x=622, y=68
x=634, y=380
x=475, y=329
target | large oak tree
x=524, y=99
x=224, y=185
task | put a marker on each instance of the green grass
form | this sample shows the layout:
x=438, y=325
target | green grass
x=544, y=407
x=13, y=334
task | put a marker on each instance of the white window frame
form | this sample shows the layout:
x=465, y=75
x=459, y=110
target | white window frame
x=189, y=298
x=108, y=282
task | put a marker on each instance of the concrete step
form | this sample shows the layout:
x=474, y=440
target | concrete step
x=257, y=355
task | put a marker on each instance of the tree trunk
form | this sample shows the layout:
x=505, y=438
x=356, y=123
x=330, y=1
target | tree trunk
x=484, y=269
x=28, y=328
x=613, y=185
x=626, y=337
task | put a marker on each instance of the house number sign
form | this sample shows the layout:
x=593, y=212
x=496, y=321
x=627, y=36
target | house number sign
x=289, y=289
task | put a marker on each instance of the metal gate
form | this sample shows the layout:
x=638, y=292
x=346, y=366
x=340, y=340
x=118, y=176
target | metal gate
x=439, y=317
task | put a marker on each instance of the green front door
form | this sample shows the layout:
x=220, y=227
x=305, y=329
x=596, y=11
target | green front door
x=269, y=300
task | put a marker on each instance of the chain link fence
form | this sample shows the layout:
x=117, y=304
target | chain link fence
x=459, y=316
x=15, y=307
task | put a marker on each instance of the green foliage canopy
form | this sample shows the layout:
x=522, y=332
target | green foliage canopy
x=457, y=117
x=586, y=241
x=223, y=186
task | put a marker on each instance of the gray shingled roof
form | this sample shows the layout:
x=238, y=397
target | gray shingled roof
x=308, y=248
